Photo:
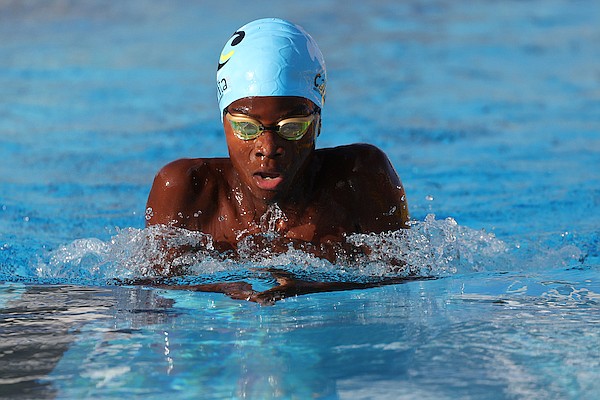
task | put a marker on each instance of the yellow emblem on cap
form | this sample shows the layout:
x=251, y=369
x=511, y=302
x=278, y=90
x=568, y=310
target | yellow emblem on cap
x=224, y=57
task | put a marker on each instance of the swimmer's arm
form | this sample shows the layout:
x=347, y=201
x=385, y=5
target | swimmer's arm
x=381, y=198
x=174, y=198
x=171, y=195
x=290, y=286
x=167, y=195
x=235, y=290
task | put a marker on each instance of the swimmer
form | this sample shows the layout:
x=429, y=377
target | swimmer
x=271, y=84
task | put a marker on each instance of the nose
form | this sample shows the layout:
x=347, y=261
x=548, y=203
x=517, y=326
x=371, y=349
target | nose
x=268, y=145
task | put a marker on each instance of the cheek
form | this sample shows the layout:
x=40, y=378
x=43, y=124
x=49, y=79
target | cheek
x=238, y=152
x=239, y=156
x=303, y=148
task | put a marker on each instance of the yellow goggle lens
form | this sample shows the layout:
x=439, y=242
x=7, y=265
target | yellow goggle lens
x=246, y=128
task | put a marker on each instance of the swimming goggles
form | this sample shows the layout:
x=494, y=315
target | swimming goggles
x=247, y=128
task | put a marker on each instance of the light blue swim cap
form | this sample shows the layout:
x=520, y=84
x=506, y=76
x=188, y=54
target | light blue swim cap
x=270, y=57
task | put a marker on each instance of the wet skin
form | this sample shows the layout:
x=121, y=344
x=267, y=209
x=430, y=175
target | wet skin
x=324, y=194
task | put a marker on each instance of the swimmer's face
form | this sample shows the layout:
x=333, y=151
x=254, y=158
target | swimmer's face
x=270, y=166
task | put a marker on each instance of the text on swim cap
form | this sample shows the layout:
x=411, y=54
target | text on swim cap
x=221, y=87
x=319, y=84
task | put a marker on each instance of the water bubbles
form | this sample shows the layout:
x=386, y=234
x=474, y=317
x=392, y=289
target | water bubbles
x=167, y=353
x=149, y=213
x=429, y=197
x=239, y=197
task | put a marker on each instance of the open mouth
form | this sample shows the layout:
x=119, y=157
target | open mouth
x=268, y=180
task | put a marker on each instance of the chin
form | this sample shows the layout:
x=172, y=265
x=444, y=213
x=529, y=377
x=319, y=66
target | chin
x=268, y=196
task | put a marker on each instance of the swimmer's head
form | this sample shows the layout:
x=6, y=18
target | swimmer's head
x=270, y=57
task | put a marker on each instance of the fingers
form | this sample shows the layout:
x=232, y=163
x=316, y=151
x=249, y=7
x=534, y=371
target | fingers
x=268, y=297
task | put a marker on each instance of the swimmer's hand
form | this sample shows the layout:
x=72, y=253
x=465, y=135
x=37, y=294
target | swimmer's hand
x=235, y=290
x=290, y=285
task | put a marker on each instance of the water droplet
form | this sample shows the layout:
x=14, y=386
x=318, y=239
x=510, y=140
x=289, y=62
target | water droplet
x=239, y=196
x=273, y=218
x=429, y=197
x=149, y=213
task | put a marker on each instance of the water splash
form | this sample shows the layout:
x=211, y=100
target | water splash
x=130, y=253
x=430, y=248
x=436, y=247
x=271, y=218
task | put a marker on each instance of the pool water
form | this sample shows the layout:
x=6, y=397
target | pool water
x=490, y=112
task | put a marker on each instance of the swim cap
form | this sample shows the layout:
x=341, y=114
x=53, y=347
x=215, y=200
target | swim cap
x=270, y=57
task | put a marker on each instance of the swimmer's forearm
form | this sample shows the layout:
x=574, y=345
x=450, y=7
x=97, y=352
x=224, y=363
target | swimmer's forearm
x=235, y=290
x=294, y=287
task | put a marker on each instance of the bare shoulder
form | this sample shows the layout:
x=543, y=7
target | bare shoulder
x=182, y=185
x=375, y=188
x=356, y=159
x=187, y=174
x=177, y=173
x=352, y=151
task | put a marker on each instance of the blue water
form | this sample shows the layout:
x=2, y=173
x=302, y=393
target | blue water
x=490, y=112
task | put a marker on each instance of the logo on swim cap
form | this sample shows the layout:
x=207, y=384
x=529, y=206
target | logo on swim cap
x=235, y=40
x=270, y=57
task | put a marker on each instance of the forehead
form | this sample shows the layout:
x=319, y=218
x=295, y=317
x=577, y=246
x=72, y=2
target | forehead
x=272, y=107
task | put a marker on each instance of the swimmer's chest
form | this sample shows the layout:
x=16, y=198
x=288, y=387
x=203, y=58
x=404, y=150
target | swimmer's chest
x=325, y=219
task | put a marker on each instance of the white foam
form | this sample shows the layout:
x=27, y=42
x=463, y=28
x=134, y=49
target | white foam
x=430, y=248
